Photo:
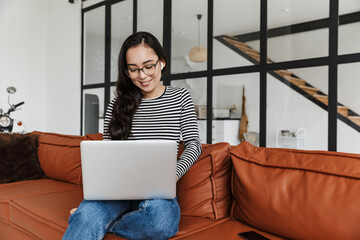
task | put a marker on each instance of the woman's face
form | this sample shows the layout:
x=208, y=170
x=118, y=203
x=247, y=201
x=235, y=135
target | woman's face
x=148, y=79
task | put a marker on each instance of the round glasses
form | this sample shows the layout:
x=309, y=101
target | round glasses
x=148, y=69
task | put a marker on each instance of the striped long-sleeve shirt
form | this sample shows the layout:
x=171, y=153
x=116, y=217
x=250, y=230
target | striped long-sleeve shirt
x=167, y=117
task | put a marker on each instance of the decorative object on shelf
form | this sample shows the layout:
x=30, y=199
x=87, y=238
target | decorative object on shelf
x=244, y=119
x=198, y=53
x=286, y=138
x=216, y=112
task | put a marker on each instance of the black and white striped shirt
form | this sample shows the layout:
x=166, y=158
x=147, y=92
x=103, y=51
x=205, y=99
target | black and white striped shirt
x=166, y=118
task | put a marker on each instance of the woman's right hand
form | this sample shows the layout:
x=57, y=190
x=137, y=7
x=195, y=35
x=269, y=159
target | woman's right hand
x=72, y=210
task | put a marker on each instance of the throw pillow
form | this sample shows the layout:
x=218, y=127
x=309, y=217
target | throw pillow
x=204, y=191
x=18, y=158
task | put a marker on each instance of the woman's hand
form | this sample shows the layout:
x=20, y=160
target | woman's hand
x=73, y=210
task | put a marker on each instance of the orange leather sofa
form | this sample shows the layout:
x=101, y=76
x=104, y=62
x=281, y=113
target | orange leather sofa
x=278, y=193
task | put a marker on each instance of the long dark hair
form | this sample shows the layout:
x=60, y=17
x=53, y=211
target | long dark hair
x=128, y=95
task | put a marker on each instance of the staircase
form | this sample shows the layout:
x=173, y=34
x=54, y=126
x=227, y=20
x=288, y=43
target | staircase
x=290, y=79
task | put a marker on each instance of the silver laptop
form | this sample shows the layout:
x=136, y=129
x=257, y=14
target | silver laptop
x=124, y=170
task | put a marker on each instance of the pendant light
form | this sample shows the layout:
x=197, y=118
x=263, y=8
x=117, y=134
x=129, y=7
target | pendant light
x=198, y=53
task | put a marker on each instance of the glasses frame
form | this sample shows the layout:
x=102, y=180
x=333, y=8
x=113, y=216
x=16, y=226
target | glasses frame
x=142, y=69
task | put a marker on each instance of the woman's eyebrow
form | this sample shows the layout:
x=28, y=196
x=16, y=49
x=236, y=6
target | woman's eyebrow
x=150, y=60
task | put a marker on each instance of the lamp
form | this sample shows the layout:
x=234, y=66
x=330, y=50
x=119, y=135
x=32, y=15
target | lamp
x=198, y=53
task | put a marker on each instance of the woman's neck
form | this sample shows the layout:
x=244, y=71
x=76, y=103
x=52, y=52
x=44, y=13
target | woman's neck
x=154, y=94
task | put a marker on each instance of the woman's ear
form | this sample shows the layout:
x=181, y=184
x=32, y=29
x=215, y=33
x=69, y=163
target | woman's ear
x=162, y=65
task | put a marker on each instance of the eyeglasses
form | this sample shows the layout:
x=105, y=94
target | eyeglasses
x=148, y=69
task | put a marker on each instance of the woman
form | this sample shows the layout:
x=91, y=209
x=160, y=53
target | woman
x=143, y=109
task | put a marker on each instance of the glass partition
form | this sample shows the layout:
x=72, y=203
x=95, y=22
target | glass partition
x=349, y=34
x=297, y=108
x=236, y=98
x=290, y=33
x=94, y=46
x=189, y=36
x=233, y=25
x=147, y=20
x=348, y=129
x=121, y=28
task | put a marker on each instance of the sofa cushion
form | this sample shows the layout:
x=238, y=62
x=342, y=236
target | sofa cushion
x=18, y=158
x=40, y=207
x=204, y=191
x=11, y=231
x=225, y=229
x=18, y=190
x=59, y=156
x=187, y=226
x=297, y=194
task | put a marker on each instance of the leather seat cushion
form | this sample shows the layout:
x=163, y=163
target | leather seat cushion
x=17, y=190
x=187, y=226
x=39, y=206
x=227, y=229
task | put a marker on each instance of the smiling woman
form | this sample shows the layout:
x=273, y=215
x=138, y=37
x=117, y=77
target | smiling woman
x=143, y=109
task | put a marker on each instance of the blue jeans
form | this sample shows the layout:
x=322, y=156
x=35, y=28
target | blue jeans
x=148, y=219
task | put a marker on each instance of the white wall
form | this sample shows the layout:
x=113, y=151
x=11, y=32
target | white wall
x=40, y=55
x=23, y=59
x=64, y=66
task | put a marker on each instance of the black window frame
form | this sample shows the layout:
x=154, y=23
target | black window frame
x=332, y=61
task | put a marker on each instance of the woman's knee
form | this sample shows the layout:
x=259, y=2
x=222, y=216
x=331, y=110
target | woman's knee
x=155, y=219
x=163, y=209
x=164, y=217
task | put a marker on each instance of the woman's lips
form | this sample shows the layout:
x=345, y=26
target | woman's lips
x=145, y=83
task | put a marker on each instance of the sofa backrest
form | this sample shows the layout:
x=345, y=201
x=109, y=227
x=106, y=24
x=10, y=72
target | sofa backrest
x=297, y=194
x=59, y=155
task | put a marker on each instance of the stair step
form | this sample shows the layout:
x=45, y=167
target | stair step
x=247, y=49
x=325, y=99
x=355, y=119
x=296, y=81
x=283, y=72
x=232, y=41
x=242, y=46
x=309, y=90
x=343, y=110
x=252, y=54
x=322, y=98
x=231, y=37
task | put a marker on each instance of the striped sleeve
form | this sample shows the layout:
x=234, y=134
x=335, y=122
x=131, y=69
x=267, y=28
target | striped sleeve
x=190, y=134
